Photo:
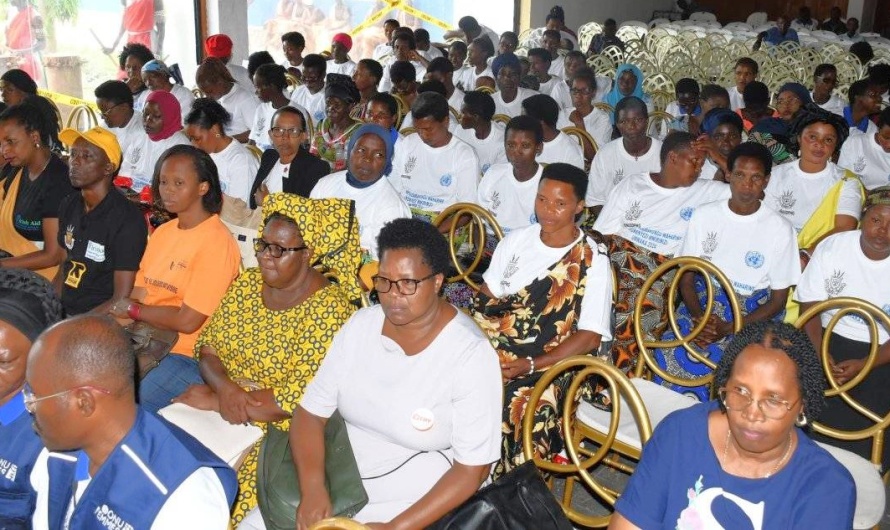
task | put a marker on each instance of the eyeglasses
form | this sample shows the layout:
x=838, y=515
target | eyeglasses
x=737, y=401
x=31, y=400
x=583, y=91
x=104, y=114
x=260, y=245
x=280, y=132
x=406, y=286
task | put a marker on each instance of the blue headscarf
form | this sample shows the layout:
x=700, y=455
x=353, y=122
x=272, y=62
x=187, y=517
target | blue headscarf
x=380, y=132
x=615, y=95
x=798, y=90
x=505, y=59
x=717, y=117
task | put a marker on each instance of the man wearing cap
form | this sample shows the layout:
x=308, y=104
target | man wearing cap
x=157, y=76
x=102, y=233
x=220, y=46
x=340, y=63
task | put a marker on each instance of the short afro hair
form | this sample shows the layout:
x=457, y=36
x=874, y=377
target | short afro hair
x=480, y=104
x=401, y=71
x=416, y=234
x=139, y=51
x=676, y=141
x=795, y=343
x=294, y=38
x=568, y=173
x=527, y=124
x=115, y=92
x=749, y=63
x=753, y=150
x=430, y=105
x=541, y=107
x=373, y=67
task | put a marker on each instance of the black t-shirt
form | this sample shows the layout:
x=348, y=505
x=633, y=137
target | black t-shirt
x=110, y=238
x=40, y=199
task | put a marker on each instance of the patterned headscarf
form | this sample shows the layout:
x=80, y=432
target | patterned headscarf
x=877, y=197
x=330, y=228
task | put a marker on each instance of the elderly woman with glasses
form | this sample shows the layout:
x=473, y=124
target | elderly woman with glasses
x=28, y=305
x=742, y=460
x=257, y=368
x=288, y=167
x=418, y=387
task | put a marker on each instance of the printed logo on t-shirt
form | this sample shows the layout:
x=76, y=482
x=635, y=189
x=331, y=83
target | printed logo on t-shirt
x=135, y=156
x=619, y=175
x=75, y=274
x=700, y=512
x=511, y=269
x=8, y=469
x=632, y=214
x=532, y=219
x=261, y=123
x=110, y=520
x=495, y=201
x=859, y=165
x=754, y=259
x=834, y=285
x=786, y=202
x=886, y=308
x=485, y=168
x=686, y=213
x=709, y=245
x=410, y=164
x=318, y=115
x=69, y=237
x=445, y=180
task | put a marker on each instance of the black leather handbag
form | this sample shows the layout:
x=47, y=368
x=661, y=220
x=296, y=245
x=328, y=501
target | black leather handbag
x=519, y=500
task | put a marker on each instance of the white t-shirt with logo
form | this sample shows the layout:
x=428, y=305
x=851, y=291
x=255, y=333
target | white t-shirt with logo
x=185, y=98
x=434, y=178
x=514, y=108
x=612, y=163
x=469, y=76
x=521, y=258
x=242, y=105
x=385, y=84
x=130, y=133
x=559, y=91
x=314, y=103
x=737, y=246
x=140, y=158
x=237, y=168
x=375, y=205
x=862, y=155
x=597, y=124
x=796, y=194
x=511, y=202
x=489, y=150
x=870, y=129
x=840, y=268
x=563, y=148
x=346, y=68
x=654, y=217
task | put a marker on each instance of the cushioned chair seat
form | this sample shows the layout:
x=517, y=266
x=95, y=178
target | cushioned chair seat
x=870, y=492
x=659, y=401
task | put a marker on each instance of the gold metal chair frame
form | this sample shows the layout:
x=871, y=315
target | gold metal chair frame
x=479, y=217
x=582, y=136
x=197, y=92
x=255, y=151
x=338, y=523
x=647, y=359
x=873, y=317
x=501, y=118
x=485, y=90
x=292, y=81
x=584, y=459
x=80, y=112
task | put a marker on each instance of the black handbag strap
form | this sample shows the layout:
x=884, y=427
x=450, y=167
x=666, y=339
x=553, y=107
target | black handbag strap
x=410, y=458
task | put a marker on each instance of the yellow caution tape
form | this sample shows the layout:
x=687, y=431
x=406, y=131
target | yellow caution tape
x=62, y=99
x=400, y=5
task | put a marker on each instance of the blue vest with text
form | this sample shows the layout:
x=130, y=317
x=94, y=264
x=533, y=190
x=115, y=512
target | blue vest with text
x=138, y=477
x=20, y=447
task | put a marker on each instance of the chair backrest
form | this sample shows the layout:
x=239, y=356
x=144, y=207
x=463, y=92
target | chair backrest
x=585, y=139
x=584, y=459
x=672, y=272
x=481, y=221
x=501, y=118
x=659, y=124
x=703, y=16
x=874, y=318
x=757, y=18
x=82, y=118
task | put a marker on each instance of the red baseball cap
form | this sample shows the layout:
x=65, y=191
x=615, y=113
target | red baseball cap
x=219, y=46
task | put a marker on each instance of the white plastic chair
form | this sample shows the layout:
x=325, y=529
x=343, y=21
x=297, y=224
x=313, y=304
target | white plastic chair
x=703, y=16
x=757, y=18
x=738, y=26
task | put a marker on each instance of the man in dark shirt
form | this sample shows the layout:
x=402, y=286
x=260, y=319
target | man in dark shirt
x=102, y=233
x=834, y=23
x=606, y=38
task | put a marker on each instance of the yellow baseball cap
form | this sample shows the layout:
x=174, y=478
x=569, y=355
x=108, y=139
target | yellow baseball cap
x=98, y=136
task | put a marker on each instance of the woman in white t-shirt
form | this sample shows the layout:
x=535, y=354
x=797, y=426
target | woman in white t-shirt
x=723, y=128
x=730, y=234
x=854, y=264
x=815, y=195
x=868, y=155
x=509, y=97
x=643, y=223
x=418, y=387
x=585, y=116
x=547, y=296
x=369, y=156
x=205, y=128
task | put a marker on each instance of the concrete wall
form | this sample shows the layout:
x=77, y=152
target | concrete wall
x=533, y=13
x=229, y=17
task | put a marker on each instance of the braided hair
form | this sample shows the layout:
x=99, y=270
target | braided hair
x=30, y=282
x=795, y=343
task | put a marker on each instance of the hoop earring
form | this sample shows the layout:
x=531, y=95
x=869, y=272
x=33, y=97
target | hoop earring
x=801, y=420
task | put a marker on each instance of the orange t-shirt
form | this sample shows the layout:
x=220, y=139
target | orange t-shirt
x=193, y=267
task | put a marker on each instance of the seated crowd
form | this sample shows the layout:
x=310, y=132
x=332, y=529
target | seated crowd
x=300, y=279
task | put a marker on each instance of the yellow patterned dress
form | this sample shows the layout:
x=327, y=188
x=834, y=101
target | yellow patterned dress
x=280, y=350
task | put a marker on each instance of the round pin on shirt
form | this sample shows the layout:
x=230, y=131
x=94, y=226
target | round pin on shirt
x=422, y=419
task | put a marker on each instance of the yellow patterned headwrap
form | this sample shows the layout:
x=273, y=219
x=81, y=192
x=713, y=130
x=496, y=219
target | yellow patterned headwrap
x=877, y=197
x=330, y=228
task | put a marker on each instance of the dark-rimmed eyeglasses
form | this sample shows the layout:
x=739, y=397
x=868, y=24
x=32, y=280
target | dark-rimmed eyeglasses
x=406, y=286
x=276, y=251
